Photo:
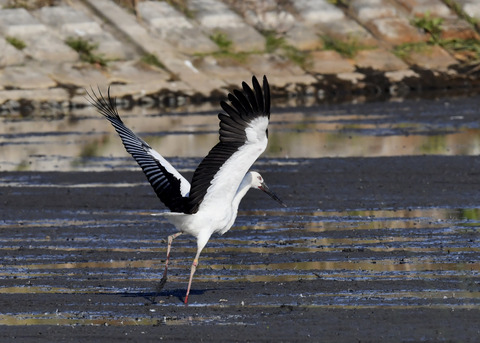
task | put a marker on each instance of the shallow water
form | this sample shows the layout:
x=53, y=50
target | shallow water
x=99, y=266
x=439, y=246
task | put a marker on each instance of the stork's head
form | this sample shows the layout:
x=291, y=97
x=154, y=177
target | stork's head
x=257, y=182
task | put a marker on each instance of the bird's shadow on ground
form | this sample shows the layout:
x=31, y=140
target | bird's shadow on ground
x=154, y=296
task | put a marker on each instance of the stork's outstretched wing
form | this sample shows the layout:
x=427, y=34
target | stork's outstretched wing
x=171, y=187
x=243, y=137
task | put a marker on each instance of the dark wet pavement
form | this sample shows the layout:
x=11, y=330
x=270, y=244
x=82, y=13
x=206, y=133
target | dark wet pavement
x=381, y=247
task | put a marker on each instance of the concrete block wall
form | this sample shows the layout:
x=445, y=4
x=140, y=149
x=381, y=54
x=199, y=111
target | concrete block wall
x=205, y=47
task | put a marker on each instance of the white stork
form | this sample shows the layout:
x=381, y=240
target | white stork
x=210, y=204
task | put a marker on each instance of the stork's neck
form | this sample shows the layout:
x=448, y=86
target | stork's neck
x=242, y=190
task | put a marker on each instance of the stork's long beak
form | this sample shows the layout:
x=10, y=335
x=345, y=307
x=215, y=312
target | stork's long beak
x=267, y=190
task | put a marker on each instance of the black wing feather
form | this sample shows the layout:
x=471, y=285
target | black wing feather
x=251, y=97
x=244, y=101
x=165, y=184
x=238, y=107
x=258, y=95
x=234, y=115
x=230, y=129
x=244, y=108
x=266, y=97
x=229, y=109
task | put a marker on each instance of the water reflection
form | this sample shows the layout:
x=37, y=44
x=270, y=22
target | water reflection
x=421, y=257
x=382, y=243
x=102, y=319
x=85, y=141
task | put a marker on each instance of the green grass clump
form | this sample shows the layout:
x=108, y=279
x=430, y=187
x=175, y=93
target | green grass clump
x=348, y=48
x=457, y=8
x=296, y=56
x=469, y=47
x=152, y=59
x=225, y=46
x=344, y=3
x=86, y=51
x=404, y=50
x=430, y=24
x=274, y=42
x=17, y=43
x=222, y=41
x=28, y=4
x=182, y=6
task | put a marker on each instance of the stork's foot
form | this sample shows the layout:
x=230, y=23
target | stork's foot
x=161, y=284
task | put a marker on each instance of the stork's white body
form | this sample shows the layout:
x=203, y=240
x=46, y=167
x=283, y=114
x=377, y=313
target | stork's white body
x=210, y=204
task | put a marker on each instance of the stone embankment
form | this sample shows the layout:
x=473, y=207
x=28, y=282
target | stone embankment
x=172, y=52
